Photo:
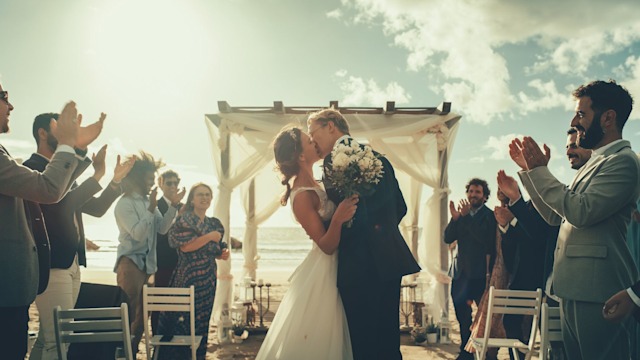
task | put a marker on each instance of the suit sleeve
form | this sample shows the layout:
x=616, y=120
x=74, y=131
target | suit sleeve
x=46, y=187
x=529, y=219
x=98, y=206
x=482, y=232
x=77, y=197
x=165, y=221
x=608, y=191
x=548, y=214
x=509, y=246
x=451, y=232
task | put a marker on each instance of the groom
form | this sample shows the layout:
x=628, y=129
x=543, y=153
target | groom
x=372, y=256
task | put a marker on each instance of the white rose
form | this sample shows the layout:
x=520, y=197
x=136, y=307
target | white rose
x=340, y=161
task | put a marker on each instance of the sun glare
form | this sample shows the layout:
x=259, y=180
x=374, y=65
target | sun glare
x=151, y=46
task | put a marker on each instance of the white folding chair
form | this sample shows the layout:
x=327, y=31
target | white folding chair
x=92, y=325
x=169, y=299
x=516, y=302
x=550, y=329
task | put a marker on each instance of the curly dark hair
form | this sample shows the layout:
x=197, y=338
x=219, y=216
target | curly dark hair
x=144, y=164
x=607, y=95
x=485, y=187
x=287, y=148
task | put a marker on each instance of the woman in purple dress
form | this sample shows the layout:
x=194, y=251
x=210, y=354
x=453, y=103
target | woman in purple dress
x=198, y=240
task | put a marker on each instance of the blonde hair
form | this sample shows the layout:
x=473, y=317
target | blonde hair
x=325, y=116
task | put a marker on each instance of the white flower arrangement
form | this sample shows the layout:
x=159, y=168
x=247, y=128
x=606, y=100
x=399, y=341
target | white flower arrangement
x=354, y=170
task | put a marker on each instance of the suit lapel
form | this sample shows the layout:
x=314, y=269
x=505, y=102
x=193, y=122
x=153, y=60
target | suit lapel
x=594, y=163
x=586, y=169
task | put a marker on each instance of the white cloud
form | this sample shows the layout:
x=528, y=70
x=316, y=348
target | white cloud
x=358, y=91
x=632, y=83
x=499, y=146
x=574, y=55
x=341, y=73
x=461, y=41
x=334, y=14
x=546, y=96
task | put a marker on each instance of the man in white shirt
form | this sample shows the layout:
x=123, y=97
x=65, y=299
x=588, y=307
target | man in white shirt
x=139, y=221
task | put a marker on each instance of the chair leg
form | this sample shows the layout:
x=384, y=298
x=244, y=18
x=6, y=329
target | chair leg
x=156, y=350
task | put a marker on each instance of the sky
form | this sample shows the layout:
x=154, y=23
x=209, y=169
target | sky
x=157, y=66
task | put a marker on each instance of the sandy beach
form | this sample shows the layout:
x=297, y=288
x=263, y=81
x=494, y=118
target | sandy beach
x=249, y=348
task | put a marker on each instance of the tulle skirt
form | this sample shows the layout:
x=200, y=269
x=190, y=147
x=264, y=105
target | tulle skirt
x=310, y=323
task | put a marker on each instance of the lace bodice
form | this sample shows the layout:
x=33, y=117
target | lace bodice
x=327, y=207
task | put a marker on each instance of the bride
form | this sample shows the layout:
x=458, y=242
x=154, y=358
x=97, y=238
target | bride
x=310, y=323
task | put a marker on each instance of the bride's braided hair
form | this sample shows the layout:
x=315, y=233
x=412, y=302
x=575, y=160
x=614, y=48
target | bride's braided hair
x=287, y=148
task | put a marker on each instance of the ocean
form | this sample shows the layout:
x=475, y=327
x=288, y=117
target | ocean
x=279, y=248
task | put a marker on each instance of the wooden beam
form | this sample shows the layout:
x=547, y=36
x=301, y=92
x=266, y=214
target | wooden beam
x=391, y=107
x=278, y=107
x=224, y=107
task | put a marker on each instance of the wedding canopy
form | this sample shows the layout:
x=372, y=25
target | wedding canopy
x=417, y=142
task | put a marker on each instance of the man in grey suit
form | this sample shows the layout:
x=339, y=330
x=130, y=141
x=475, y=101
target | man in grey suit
x=18, y=257
x=592, y=260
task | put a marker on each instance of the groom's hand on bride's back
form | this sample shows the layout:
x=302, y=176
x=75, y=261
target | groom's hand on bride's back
x=346, y=209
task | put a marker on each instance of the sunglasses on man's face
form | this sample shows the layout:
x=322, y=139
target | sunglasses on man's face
x=172, y=183
x=4, y=95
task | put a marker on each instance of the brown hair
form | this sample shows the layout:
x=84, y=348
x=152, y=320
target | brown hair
x=192, y=192
x=324, y=116
x=287, y=148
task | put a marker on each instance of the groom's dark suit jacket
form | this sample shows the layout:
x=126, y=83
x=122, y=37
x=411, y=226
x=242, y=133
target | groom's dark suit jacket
x=63, y=220
x=373, y=249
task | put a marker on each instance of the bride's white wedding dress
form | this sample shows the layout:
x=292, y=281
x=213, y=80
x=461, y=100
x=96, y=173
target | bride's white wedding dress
x=310, y=322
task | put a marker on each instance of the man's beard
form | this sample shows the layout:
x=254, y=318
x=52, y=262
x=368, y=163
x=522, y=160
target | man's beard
x=593, y=135
x=52, y=142
x=476, y=203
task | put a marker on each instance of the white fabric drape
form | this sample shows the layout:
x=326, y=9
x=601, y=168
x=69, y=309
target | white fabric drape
x=237, y=158
x=259, y=204
x=413, y=143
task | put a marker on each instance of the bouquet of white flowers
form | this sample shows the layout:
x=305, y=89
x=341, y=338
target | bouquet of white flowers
x=354, y=170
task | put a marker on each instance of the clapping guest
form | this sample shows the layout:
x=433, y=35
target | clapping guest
x=65, y=230
x=499, y=279
x=168, y=182
x=473, y=225
x=592, y=259
x=18, y=257
x=198, y=239
x=139, y=221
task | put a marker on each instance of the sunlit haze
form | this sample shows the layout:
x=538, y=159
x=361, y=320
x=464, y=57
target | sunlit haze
x=157, y=67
